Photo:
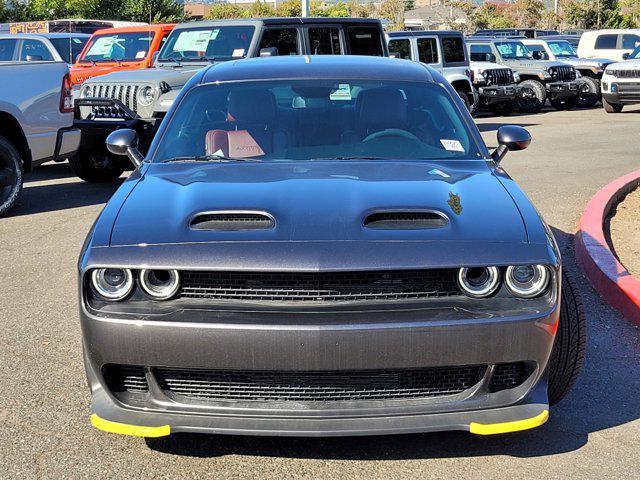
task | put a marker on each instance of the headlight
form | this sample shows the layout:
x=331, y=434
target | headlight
x=516, y=77
x=610, y=72
x=544, y=75
x=112, y=283
x=160, y=284
x=478, y=282
x=146, y=95
x=527, y=281
x=578, y=74
x=86, y=91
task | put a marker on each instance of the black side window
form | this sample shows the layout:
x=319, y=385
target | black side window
x=324, y=41
x=629, y=41
x=285, y=40
x=606, y=42
x=7, y=48
x=453, y=49
x=365, y=41
x=427, y=50
x=401, y=47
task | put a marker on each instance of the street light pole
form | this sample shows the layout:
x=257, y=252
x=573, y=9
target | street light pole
x=305, y=8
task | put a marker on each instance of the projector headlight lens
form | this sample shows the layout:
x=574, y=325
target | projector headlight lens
x=479, y=282
x=160, y=284
x=527, y=281
x=112, y=283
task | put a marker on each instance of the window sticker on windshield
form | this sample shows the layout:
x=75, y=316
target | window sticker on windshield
x=195, y=40
x=452, y=145
x=343, y=92
x=141, y=54
x=363, y=35
x=238, y=53
x=102, y=46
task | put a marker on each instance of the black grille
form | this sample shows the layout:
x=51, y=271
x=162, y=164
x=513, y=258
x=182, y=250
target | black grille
x=499, y=76
x=320, y=287
x=508, y=375
x=625, y=73
x=125, y=378
x=232, y=221
x=127, y=94
x=405, y=220
x=563, y=73
x=324, y=386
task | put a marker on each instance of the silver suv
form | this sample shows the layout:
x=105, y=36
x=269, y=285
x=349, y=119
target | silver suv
x=539, y=79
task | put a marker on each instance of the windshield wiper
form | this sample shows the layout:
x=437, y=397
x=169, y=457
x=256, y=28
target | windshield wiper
x=210, y=158
x=358, y=157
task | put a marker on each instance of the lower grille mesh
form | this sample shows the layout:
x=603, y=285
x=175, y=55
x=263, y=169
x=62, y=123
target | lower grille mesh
x=508, y=375
x=323, y=386
x=320, y=287
x=126, y=378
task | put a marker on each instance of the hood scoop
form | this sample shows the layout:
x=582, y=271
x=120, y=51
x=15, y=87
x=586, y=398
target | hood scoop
x=411, y=220
x=232, y=221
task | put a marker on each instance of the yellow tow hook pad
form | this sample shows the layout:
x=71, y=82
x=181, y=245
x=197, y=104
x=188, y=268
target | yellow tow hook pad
x=126, y=429
x=506, y=427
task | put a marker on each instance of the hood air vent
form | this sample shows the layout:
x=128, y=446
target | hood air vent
x=405, y=220
x=232, y=221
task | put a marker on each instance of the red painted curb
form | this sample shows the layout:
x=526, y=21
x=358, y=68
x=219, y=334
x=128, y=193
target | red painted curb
x=614, y=282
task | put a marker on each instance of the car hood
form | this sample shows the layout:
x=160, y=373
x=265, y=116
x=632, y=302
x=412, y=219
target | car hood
x=535, y=64
x=317, y=201
x=175, y=77
x=625, y=64
x=482, y=66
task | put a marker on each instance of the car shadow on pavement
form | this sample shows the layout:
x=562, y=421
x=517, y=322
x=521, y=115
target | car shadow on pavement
x=53, y=187
x=488, y=127
x=605, y=396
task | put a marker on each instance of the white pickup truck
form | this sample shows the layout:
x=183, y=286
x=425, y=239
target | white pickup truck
x=36, y=118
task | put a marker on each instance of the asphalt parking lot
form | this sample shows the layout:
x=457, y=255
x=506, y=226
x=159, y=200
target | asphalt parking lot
x=44, y=402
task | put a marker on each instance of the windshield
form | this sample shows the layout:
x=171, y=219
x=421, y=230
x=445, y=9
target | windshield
x=513, y=50
x=208, y=44
x=69, y=48
x=561, y=48
x=317, y=120
x=120, y=47
x=635, y=55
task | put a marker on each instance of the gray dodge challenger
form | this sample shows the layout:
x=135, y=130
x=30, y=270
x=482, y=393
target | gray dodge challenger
x=321, y=246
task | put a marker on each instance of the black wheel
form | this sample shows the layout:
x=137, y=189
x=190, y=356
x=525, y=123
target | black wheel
x=96, y=166
x=531, y=96
x=11, y=175
x=566, y=103
x=569, y=347
x=475, y=106
x=611, y=107
x=589, y=92
x=465, y=99
x=502, y=109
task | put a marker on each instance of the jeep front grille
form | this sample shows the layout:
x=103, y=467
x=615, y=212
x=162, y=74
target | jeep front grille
x=563, y=73
x=320, y=287
x=499, y=76
x=127, y=94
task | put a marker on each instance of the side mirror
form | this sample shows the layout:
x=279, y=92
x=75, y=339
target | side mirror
x=491, y=58
x=125, y=142
x=625, y=56
x=269, y=52
x=34, y=58
x=510, y=138
x=537, y=55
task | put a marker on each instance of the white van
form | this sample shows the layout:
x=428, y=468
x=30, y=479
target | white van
x=613, y=44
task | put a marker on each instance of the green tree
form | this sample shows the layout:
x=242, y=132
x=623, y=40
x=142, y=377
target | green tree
x=225, y=10
x=393, y=10
x=260, y=9
x=630, y=9
x=290, y=8
x=153, y=11
x=527, y=13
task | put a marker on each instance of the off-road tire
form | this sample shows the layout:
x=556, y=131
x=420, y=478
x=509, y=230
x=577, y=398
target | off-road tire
x=589, y=92
x=570, y=344
x=532, y=96
x=502, y=109
x=96, y=166
x=465, y=99
x=566, y=103
x=12, y=172
x=611, y=107
x=475, y=105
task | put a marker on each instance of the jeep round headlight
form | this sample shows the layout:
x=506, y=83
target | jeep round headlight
x=146, y=95
x=112, y=283
x=527, y=281
x=160, y=284
x=87, y=91
x=478, y=282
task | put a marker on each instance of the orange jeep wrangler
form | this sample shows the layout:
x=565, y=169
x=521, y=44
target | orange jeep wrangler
x=113, y=49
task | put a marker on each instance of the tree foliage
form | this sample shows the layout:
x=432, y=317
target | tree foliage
x=393, y=10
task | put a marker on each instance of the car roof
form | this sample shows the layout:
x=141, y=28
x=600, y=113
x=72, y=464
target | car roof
x=422, y=33
x=62, y=35
x=279, y=21
x=136, y=28
x=318, y=66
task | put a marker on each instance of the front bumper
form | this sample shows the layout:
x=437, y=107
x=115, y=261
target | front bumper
x=562, y=89
x=627, y=93
x=498, y=93
x=350, y=341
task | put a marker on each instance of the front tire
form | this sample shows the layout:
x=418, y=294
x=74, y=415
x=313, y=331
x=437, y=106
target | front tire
x=11, y=175
x=532, y=96
x=611, y=107
x=96, y=166
x=589, y=92
x=465, y=99
x=570, y=344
